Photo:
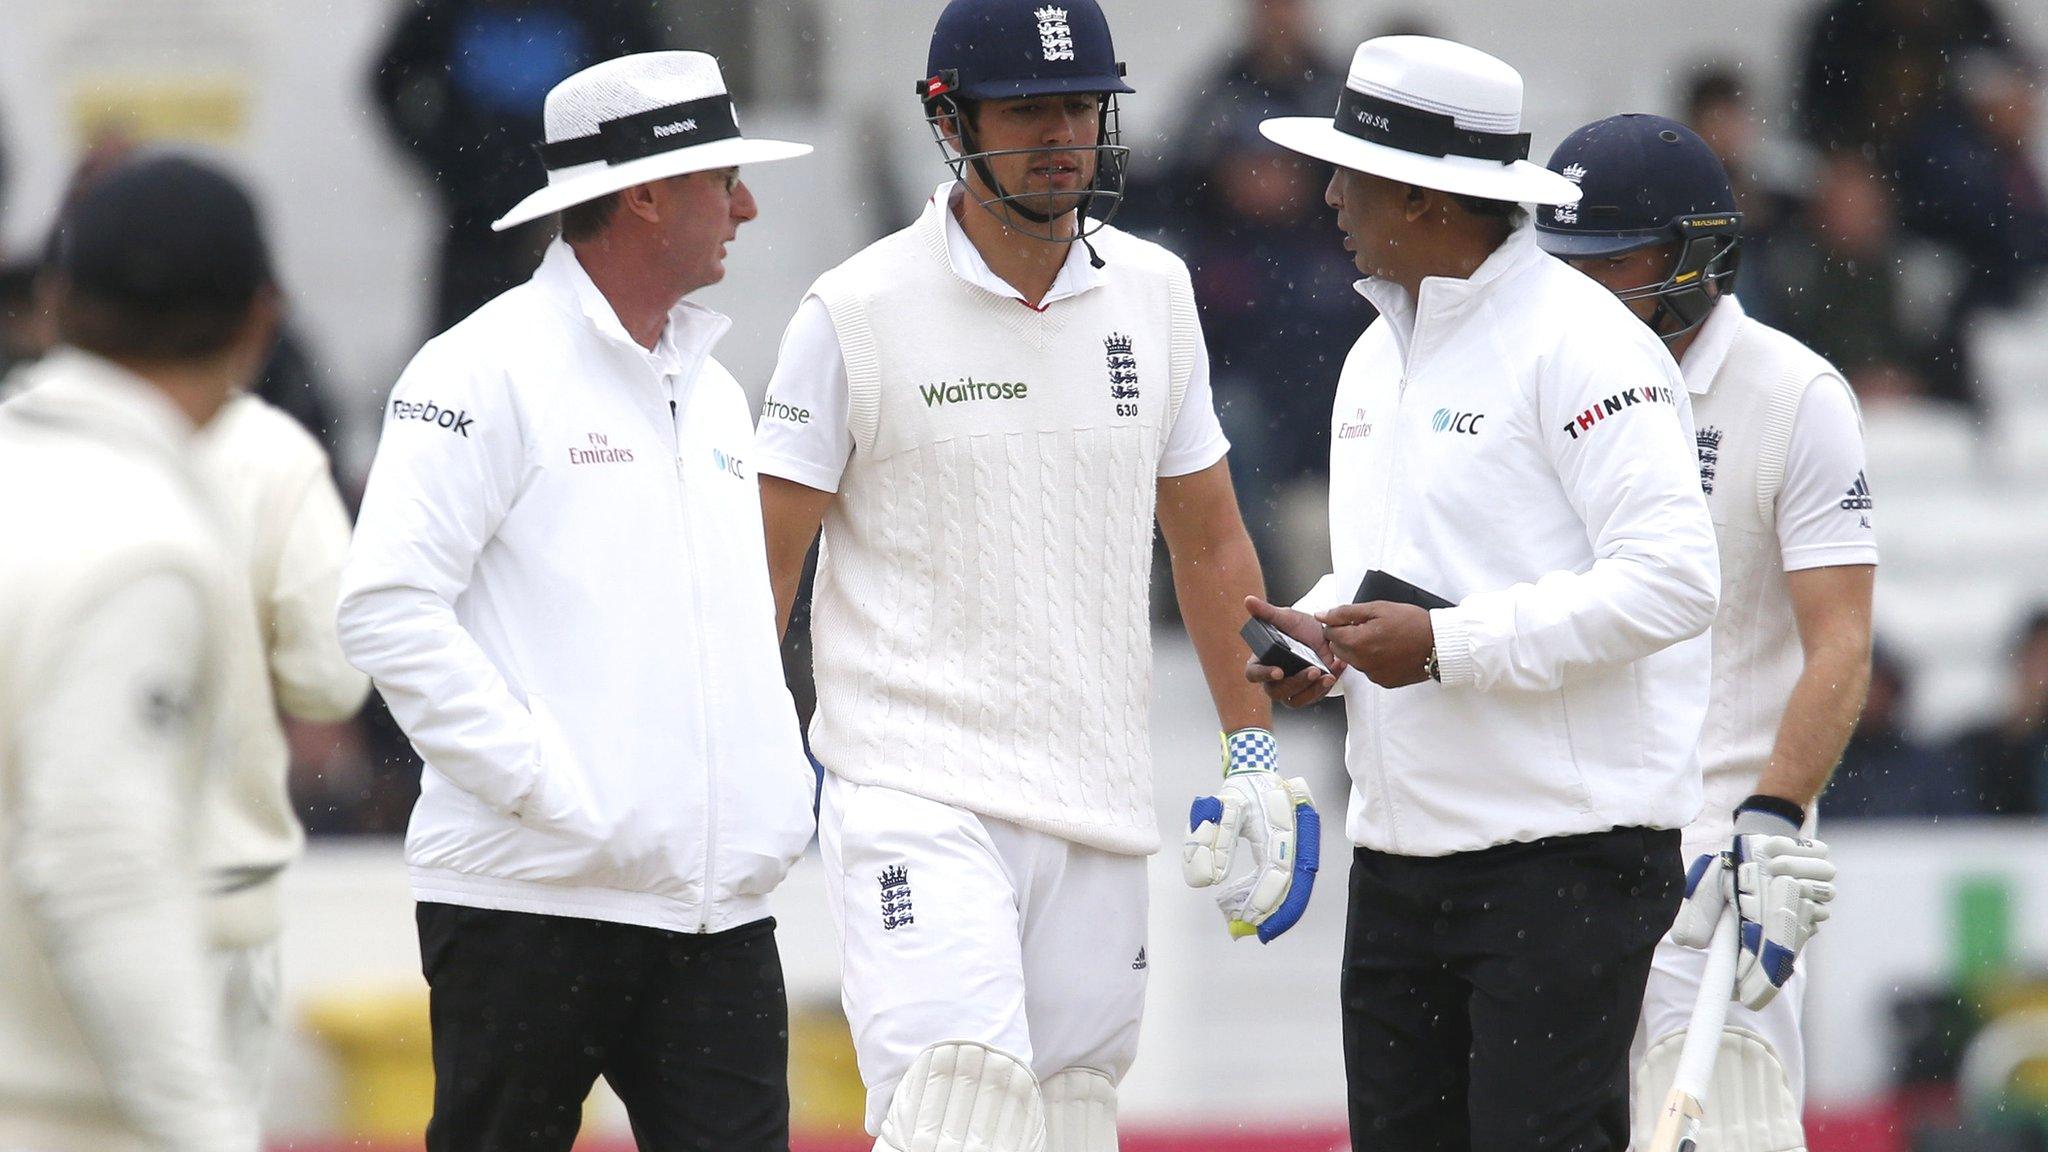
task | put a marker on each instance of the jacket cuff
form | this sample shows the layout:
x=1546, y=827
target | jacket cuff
x=1454, y=666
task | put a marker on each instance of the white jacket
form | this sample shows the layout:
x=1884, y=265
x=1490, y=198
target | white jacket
x=1520, y=444
x=559, y=583
x=111, y=594
x=289, y=534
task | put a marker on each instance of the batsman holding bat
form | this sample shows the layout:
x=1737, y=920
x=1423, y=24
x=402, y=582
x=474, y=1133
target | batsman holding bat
x=1780, y=449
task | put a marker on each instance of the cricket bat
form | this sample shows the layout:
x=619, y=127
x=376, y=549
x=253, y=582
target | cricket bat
x=1678, y=1125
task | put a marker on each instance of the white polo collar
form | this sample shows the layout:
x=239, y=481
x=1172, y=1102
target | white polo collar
x=1077, y=275
x=1709, y=349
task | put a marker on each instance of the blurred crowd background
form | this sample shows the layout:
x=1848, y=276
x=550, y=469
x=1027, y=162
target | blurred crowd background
x=1891, y=175
x=1888, y=155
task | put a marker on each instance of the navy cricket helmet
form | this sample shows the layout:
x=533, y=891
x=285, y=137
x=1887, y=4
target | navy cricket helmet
x=1646, y=180
x=1008, y=49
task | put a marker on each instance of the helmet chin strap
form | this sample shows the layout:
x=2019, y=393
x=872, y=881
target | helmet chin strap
x=979, y=161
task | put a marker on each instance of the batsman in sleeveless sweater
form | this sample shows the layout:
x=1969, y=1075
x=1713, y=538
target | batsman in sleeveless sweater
x=1781, y=459
x=985, y=412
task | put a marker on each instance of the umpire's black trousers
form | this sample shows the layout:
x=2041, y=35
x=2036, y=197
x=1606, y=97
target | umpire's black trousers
x=1490, y=997
x=692, y=1032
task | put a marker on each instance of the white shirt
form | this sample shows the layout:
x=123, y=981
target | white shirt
x=810, y=376
x=1824, y=518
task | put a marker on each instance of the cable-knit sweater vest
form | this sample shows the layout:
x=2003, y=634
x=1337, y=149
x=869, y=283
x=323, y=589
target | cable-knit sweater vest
x=980, y=622
x=1745, y=423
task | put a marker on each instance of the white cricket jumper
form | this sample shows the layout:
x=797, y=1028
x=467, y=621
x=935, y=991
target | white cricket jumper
x=981, y=618
x=1750, y=385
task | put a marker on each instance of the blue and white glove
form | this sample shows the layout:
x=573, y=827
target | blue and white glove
x=1781, y=883
x=1258, y=840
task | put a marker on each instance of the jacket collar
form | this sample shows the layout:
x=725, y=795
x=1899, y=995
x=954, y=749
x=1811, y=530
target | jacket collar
x=686, y=341
x=1710, y=348
x=80, y=390
x=1447, y=299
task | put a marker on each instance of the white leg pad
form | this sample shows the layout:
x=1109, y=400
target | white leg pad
x=1080, y=1111
x=961, y=1096
x=1749, y=1106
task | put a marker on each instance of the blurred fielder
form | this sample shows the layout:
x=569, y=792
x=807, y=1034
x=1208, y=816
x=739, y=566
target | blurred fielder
x=985, y=412
x=115, y=610
x=1510, y=443
x=1780, y=447
x=289, y=535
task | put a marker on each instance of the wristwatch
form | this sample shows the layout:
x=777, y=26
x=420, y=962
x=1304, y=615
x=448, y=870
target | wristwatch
x=1429, y=667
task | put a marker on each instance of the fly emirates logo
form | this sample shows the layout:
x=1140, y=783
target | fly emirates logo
x=967, y=389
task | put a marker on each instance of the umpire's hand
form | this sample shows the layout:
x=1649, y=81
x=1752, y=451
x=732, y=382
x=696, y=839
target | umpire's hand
x=1306, y=686
x=1387, y=641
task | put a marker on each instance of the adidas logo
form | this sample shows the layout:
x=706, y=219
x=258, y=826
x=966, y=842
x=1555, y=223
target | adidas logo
x=1858, y=499
x=1140, y=964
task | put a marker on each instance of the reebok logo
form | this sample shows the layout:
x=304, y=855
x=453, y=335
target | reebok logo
x=432, y=413
x=968, y=389
x=773, y=409
x=1446, y=420
x=674, y=128
x=1653, y=394
x=1858, y=498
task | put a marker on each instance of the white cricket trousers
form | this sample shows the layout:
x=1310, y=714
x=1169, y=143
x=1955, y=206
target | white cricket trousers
x=956, y=926
x=248, y=982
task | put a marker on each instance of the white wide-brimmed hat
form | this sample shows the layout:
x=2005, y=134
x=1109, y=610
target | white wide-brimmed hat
x=636, y=119
x=1430, y=112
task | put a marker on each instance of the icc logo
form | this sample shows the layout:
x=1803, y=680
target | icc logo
x=1446, y=420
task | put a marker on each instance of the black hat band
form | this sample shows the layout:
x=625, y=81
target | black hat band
x=1410, y=129
x=648, y=133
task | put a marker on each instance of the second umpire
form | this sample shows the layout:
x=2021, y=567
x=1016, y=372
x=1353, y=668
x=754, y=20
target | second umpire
x=1510, y=439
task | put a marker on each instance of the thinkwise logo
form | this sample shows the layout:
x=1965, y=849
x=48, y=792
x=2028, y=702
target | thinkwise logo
x=1591, y=417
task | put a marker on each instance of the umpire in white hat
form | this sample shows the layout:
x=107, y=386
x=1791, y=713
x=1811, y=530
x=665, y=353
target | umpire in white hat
x=1521, y=562
x=559, y=585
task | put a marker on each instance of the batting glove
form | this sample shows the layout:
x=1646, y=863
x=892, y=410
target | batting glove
x=1781, y=884
x=1258, y=841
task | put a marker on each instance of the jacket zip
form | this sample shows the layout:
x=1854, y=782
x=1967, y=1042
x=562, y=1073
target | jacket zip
x=1386, y=529
x=704, y=725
